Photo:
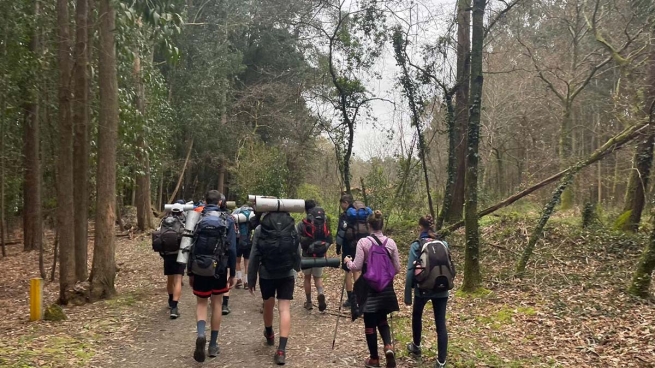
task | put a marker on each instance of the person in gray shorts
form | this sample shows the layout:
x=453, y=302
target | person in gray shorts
x=315, y=239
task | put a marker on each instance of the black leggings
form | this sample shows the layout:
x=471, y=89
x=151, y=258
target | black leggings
x=371, y=322
x=439, y=307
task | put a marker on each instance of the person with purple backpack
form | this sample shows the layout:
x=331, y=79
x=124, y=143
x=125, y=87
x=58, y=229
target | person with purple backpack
x=377, y=257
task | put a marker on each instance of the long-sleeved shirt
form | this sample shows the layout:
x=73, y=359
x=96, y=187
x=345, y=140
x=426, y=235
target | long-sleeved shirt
x=231, y=240
x=414, y=254
x=363, y=246
x=256, y=267
x=341, y=232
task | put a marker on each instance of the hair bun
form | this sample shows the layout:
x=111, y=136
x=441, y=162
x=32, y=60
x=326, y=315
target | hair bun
x=377, y=214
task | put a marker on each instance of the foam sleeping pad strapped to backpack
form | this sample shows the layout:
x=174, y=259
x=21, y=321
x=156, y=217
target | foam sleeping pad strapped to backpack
x=380, y=270
x=209, y=250
x=357, y=219
x=434, y=270
x=314, y=239
x=166, y=240
x=278, y=242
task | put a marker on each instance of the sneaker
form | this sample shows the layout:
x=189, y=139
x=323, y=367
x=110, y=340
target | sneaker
x=413, y=349
x=440, y=365
x=280, y=357
x=346, y=304
x=390, y=356
x=371, y=363
x=308, y=305
x=321, y=302
x=245, y=286
x=199, y=353
x=239, y=284
x=174, y=313
x=213, y=351
x=226, y=310
x=270, y=339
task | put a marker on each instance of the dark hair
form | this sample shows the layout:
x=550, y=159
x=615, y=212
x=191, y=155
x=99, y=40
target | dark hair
x=309, y=205
x=347, y=198
x=376, y=220
x=427, y=222
x=213, y=197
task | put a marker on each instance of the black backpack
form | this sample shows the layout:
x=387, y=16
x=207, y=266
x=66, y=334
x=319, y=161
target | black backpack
x=315, y=233
x=278, y=242
x=434, y=269
x=166, y=239
x=210, y=244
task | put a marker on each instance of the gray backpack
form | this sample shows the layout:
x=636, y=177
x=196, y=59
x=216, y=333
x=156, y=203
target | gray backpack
x=434, y=269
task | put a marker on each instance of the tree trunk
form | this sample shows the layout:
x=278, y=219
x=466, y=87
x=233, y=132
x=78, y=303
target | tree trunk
x=472, y=277
x=32, y=210
x=181, y=178
x=81, y=145
x=643, y=275
x=3, y=235
x=565, y=151
x=452, y=162
x=221, y=177
x=65, y=191
x=103, y=272
x=142, y=195
x=456, y=208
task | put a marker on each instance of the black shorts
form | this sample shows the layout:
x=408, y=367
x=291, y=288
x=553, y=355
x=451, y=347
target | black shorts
x=283, y=287
x=204, y=287
x=347, y=250
x=243, y=251
x=171, y=267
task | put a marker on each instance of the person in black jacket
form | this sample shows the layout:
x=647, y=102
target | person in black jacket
x=345, y=247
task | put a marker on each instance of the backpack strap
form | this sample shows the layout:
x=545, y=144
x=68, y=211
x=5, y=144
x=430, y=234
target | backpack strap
x=383, y=245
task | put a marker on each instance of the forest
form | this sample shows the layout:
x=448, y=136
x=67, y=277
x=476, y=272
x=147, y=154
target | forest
x=524, y=127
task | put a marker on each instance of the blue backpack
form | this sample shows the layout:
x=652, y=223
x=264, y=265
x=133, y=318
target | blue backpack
x=209, y=250
x=357, y=220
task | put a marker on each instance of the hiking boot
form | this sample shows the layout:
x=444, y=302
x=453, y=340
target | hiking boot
x=413, y=349
x=174, y=313
x=199, y=353
x=270, y=339
x=239, y=284
x=390, y=356
x=213, y=351
x=308, y=305
x=372, y=363
x=245, y=286
x=280, y=357
x=346, y=304
x=321, y=303
x=226, y=310
x=440, y=365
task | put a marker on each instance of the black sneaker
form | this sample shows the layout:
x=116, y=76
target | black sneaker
x=280, y=357
x=213, y=351
x=270, y=339
x=199, y=353
x=308, y=305
x=413, y=349
x=346, y=304
x=174, y=313
x=226, y=310
x=321, y=302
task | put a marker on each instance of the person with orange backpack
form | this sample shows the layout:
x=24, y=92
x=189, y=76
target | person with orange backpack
x=315, y=240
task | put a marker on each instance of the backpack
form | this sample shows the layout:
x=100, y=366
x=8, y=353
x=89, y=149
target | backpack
x=166, y=239
x=357, y=219
x=434, y=269
x=315, y=233
x=380, y=270
x=210, y=244
x=278, y=242
x=244, y=228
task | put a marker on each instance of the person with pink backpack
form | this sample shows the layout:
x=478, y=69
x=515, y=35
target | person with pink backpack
x=377, y=257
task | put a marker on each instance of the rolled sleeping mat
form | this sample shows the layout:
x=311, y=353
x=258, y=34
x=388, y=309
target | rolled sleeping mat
x=231, y=205
x=279, y=205
x=192, y=219
x=251, y=198
x=185, y=207
x=307, y=263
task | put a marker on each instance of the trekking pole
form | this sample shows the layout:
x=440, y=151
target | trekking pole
x=336, y=327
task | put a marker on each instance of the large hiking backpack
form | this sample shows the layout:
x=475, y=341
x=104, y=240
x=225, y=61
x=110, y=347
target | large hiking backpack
x=357, y=219
x=244, y=227
x=209, y=251
x=380, y=270
x=278, y=242
x=434, y=269
x=166, y=239
x=315, y=233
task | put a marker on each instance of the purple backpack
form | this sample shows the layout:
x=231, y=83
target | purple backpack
x=379, y=267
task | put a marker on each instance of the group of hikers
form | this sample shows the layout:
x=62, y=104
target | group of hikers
x=273, y=247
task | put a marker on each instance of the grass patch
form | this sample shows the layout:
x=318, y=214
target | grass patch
x=52, y=351
x=479, y=293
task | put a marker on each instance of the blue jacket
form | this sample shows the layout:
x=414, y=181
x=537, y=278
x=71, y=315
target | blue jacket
x=231, y=239
x=414, y=254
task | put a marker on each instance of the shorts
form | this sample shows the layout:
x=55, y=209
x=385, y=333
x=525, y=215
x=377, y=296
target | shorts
x=282, y=287
x=204, y=287
x=317, y=272
x=347, y=250
x=171, y=267
x=243, y=251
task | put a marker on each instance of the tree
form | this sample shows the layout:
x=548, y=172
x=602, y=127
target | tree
x=65, y=191
x=103, y=270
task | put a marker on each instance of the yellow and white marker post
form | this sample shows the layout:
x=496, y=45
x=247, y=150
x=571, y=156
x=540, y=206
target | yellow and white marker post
x=36, y=299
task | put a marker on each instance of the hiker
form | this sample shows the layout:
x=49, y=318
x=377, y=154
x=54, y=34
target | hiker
x=275, y=257
x=353, y=226
x=243, y=215
x=225, y=309
x=377, y=256
x=425, y=254
x=213, y=252
x=168, y=236
x=315, y=240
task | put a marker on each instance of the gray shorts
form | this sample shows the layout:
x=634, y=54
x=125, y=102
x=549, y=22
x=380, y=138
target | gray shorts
x=317, y=272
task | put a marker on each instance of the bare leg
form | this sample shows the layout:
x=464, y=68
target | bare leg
x=217, y=301
x=285, y=317
x=269, y=305
x=177, y=287
x=170, y=284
